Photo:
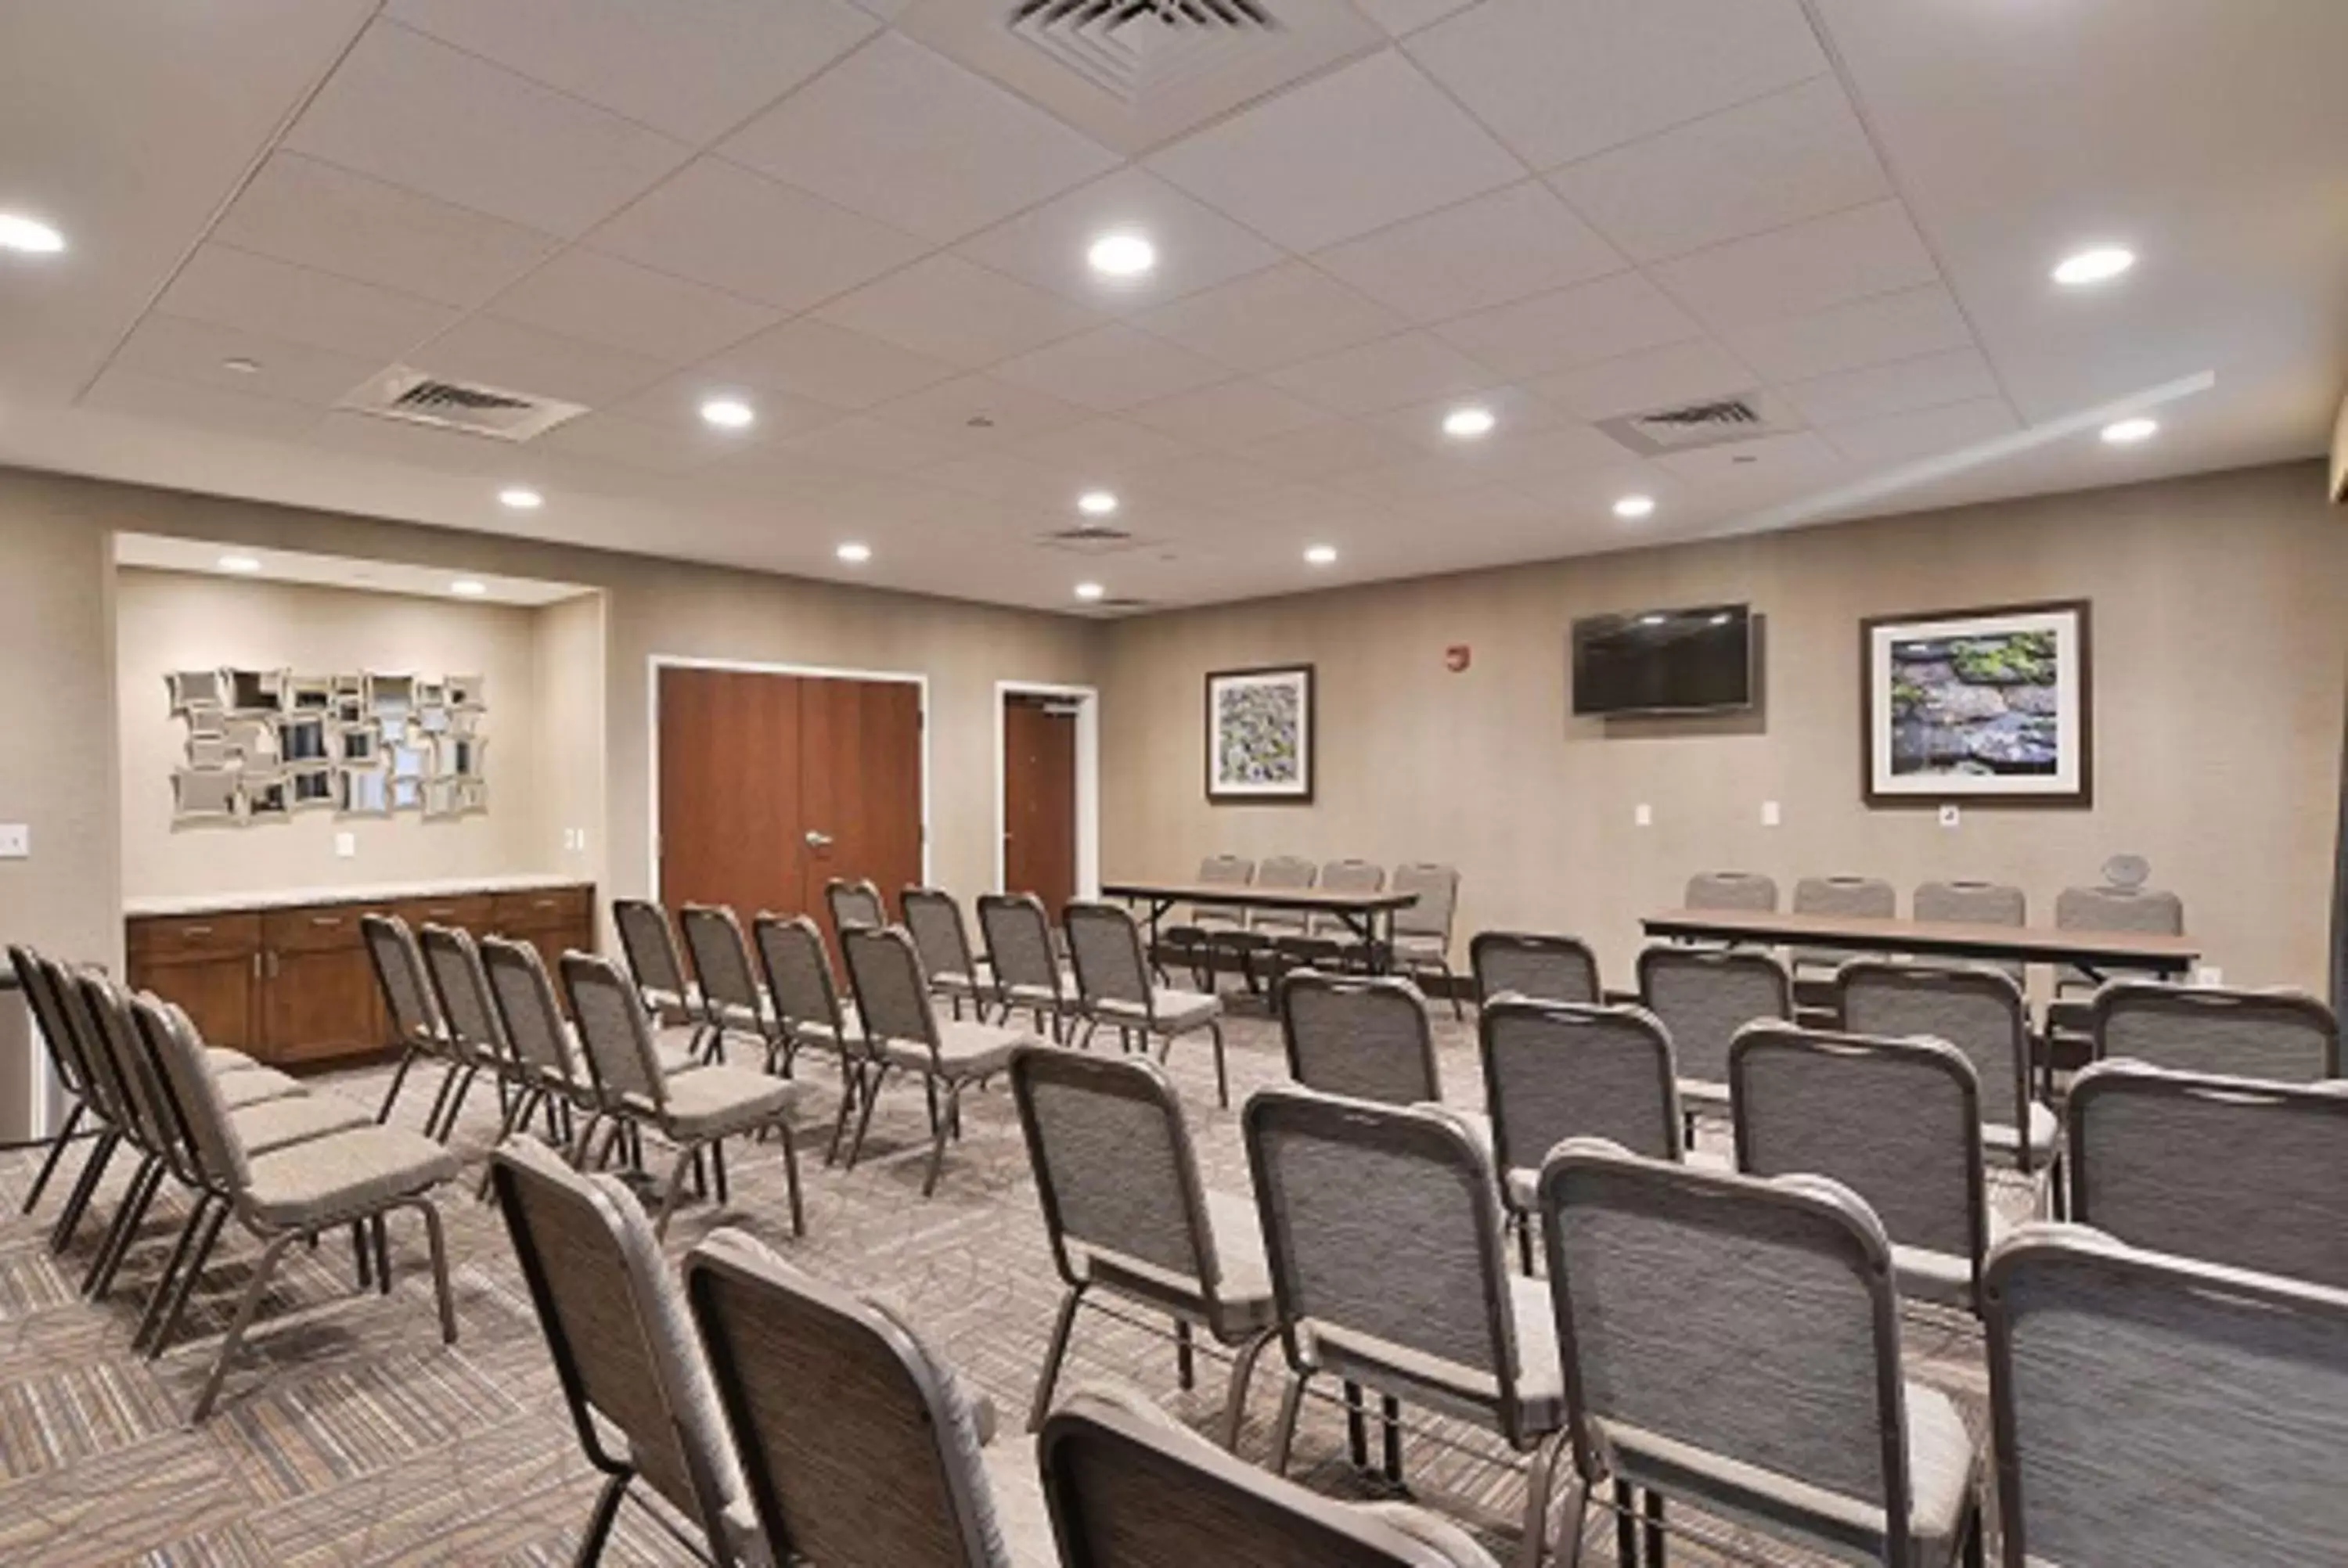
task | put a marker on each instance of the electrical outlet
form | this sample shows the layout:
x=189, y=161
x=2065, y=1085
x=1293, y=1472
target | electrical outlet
x=1642, y=816
x=2209, y=975
x=16, y=840
x=1770, y=816
x=346, y=845
x=1950, y=816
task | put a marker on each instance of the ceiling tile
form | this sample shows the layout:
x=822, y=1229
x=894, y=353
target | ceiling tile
x=1678, y=372
x=1197, y=246
x=417, y=446
x=1203, y=479
x=1485, y=251
x=205, y=407
x=1794, y=155
x=1409, y=367
x=1324, y=451
x=1567, y=327
x=237, y=288
x=1928, y=433
x=1399, y=17
x=1006, y=477
x=774, y=475
x=1517, y=414
x=1417, y=479
x=1354, y=151
x=1766, y=459
x=872, y=446
x=657, y=448
x=521, y=358
x=675, y=403
x=1791, y=271
x=1015, y=412
x=1111, y=368
x=1902, y=386
x=412, y=110
x=299, y=209
x=899, y=133
x=830, y=364
x=604, y=300
x=954, y=310
x=168, y=347
x=1270, y=318
x=722, y=225
x=689, y=71
x=1103, y=448
x=1234, y=413
x=1892, y=327
x=1561, y=79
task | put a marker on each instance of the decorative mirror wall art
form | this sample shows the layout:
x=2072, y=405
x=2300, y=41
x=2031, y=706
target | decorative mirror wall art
x=263, y=745
x=1260, y=736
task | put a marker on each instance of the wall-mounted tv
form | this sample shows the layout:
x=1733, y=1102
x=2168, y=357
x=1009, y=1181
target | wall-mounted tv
x=1664, y=660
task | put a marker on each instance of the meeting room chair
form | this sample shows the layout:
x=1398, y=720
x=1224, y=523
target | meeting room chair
x=624, y=1351
x=934, y=920
x=2070, y=1020
x=1113, y=987
x=2286, y=1036
x=1363, y=1037
x=808, y=1008
x=1554, y=1070
x=902, y=1034
x=1747, y=891
x=1701, y=997
x=1131, y=1487
x=734, y=1005
x=1972, y=903
x=2230, y=1171
x=460, y=994
x=66, y=1067
x=854, y=902
x=1980, y=1011
x=648, y=943
x=1422, y=929
x=1897, y=1121
x=697, y=1111
x=1382, y=1227
x=1813, y=964
x=1329, y=941
x=1733, y=1343
x=1536, y=966
x=2124, y=1383
x=1254, y=946
x=415, y=1027
x=1028, y=973
x=1127, y=1215
x=553, y=1077
x=1193, y=942
x=860, y=1445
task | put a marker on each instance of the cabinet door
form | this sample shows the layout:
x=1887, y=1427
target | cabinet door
x=319, y=1004
x=215, y=989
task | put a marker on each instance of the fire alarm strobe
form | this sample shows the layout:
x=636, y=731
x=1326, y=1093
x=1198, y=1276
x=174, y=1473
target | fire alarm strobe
x=1456, y=658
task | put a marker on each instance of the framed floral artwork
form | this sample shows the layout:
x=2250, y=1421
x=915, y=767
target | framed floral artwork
x=1260, y=735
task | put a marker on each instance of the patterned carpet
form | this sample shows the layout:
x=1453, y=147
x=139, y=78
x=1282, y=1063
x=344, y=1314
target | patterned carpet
x=348, y=1435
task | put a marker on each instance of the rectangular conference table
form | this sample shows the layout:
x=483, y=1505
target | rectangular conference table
x=2094, y=953
x=1362, y=912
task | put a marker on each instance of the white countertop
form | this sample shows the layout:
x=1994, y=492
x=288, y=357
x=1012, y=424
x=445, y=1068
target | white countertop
x=284, y=897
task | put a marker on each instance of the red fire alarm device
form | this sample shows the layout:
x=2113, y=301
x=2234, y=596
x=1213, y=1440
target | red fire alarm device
x=1456, y=658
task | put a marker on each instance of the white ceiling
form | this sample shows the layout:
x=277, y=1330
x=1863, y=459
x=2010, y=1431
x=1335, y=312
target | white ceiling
x=869, y=220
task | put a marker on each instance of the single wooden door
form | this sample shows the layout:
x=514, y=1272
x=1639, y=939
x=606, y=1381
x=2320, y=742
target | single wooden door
x=1039, y=799
x=861, y=778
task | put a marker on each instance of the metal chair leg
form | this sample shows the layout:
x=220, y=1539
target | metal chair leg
x=1222, y=1075
x=1283, y=1433
x=1357, y=1435
x=1580, y=1516
x=197, y=1213
x=1654, y=1529
x=398, y=1082
x=61, y=1233
x=864, y=1120
x=1186, y=1358
x=599, y=1524
x=190, y=1277
x=124, y=1231
x=57, y=1151
x=1054, y=1354
x=438, y=1243
x=243, y=1321
x=685, y=1158
x=1235, y=1398
x=1626, y=1524
x=791, y=1177
x=847, y=1108
x=1390, y=1417
x=938, y=1141
x=1540, y=1477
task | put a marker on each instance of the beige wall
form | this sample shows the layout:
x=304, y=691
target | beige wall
x=568, y=735
x=2219, y=638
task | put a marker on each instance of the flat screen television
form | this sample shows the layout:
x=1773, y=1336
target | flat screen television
x=1664, y=661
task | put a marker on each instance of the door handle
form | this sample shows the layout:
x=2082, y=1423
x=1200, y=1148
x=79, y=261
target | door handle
x=816, y=840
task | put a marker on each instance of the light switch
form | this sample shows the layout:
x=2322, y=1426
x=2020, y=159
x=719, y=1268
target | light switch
x=16, y=840
x=1769, y=817
x=346, y=845
x=1950, y=816
x=1642, y=816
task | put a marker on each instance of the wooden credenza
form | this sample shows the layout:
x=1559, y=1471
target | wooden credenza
x=291, y=983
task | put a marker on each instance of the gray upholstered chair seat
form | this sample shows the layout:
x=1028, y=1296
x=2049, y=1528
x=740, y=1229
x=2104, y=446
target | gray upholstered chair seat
x=226, y=1058
x=251, y=1085
x=274, y=1125
x=2004, y=1138
x=1453, y=1386
x=303, y=1186
x=713, y=1102
x=965, y=1049
x=1943, y=1278
x=1043, y=996
x=955, y=980
x=1243, y=1284
x=1177, y=1010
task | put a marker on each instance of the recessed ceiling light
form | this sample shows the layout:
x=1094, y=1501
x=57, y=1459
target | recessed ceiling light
x=1096, y=503
x=1122, y=255
x=728, y=413
x=521, y=497
x=1651, y=619
x=2096, y=264
x=239, y=563
x=18, y=232
x=1089, y=590
x=1634, y=506
x=1321, y=554
x=2128, y=432
x=468, y=588
x=241, y=365
x=1467, y=424
x=854, y=553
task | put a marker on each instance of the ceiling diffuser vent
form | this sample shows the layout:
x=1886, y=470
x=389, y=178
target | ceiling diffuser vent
x=419, y=397
x=1712, y=422
x=1134, y=47
x=1088, y=539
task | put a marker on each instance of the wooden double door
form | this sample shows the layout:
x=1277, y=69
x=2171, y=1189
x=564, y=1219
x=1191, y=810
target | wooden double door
x=771, y=785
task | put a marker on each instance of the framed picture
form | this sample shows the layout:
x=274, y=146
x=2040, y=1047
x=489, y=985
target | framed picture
x=1260, y=735
x=1984, y=706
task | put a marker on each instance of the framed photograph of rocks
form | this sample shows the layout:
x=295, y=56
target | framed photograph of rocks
x=1260, y=736
x=1980, y=706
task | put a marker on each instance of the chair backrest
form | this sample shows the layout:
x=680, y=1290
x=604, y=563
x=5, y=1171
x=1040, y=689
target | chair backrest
x=1745, y=891
x=1541, y=968
x=2251, y=1175
x=528, y=1010
x=109, y=1094
x=1897, y=1121
x=1554, y=1070
x=858, y=1445
x=1368, y=1039
x=934, y=920
x=2151, y=911
x=721, y=960
x=1282, y=871
x=1346, y=877
x=1867, y=895
x=399, y=973
x=2286, y=1036
x=615, y=1033
x=1115, y=1169
x=1437, y=887
x=798, y=970
x=2123, y=1383
x=1748, y=1318
x=1703, y=996
x=1973, y=903
x=1980, y=1011
x=460, y=989
x=1018, y=932
x=144, y=1038
x=616, y=1323
x=1131, y=1487
x=1383, y=1222
x=65, y=1051
x=172, y=1040
x=854, y=902
x=1223, y=871
x=649, y=944
x=1105, y=949
x=893, y=994
x=102, y=1011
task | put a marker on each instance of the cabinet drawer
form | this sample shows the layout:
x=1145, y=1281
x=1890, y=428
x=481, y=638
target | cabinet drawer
x=172, y=939
x=314, y=928
x=465, y=911
x=540, y=908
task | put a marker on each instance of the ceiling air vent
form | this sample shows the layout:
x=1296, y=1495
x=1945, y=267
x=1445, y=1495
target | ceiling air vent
x=1130, y=47
x=1123, y=602
x=1711, y=423
x=421, y=398
x=1088, y=539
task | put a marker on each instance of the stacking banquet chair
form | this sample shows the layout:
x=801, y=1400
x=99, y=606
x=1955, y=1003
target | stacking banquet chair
x=1131, y=1486
x=1733, y=1343
x=1553, y=1070
x=1027, y=970
x=1330, y=941
x=694, y=1111
x=902, y=1034
x=2230, y=1171
x=624, y=1350
x=2162, y=1412
x=416, y=1025
x=1747, y=891
x=1970, y=903
x=2286, y=1036
x=1382, y=1227
x=1537, y=967
x=853, y=903
x=1113, y=987
x=1701, y=997
x=65, y=1063
x=1814, y=964
x=808, y=1009
x=293, y=1194
x=1193, y=942
x=733, y=1003
x=1127, y=1215
x=939, y=938
x=2070, y=1036
x=469, y=1017
x=1897, y=1121
x=861, y=1447
x=648, y=942
x=1422, y=930
x=1254, y=945
x=1365, y=1037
